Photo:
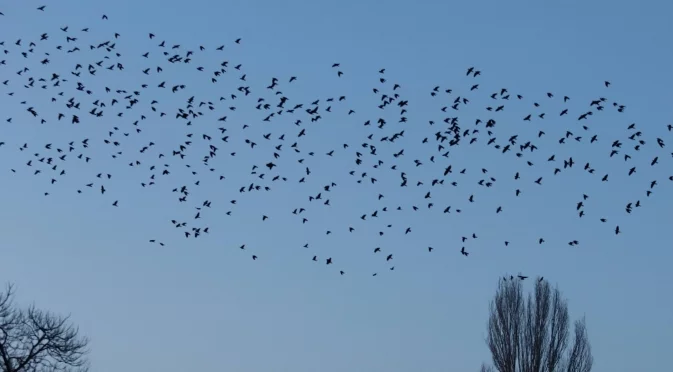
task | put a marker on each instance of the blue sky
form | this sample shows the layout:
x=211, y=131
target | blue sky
x=203, y=304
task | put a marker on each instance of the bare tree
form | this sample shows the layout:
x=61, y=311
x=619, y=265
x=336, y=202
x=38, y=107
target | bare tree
x=531, y=335
x=485, y=368
x=33, y=340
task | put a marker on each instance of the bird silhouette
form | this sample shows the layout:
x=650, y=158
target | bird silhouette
x=267, y=148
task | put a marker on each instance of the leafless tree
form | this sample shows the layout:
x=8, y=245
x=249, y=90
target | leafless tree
x=33, y=340
x=485, y=368
x=531, y=334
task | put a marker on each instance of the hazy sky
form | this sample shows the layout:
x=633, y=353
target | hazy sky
x=203, y=304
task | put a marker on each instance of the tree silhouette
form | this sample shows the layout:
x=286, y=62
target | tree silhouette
x=531, y=334
x=33, y=340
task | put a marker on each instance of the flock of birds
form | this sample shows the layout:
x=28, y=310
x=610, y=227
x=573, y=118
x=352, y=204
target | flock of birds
x=285, y=126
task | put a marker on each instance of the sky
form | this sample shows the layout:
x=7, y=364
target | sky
x=204, y=304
